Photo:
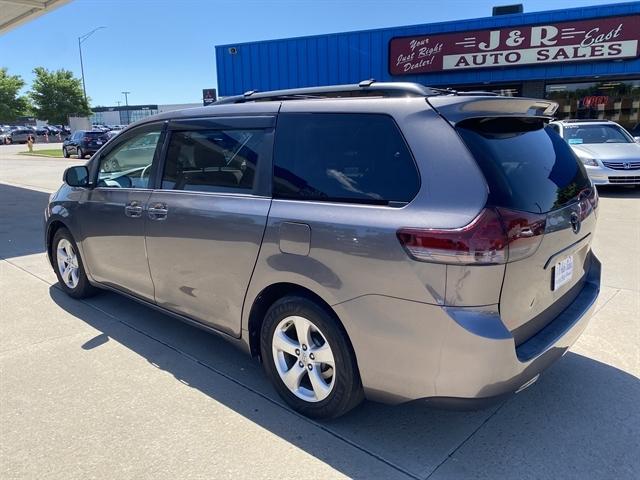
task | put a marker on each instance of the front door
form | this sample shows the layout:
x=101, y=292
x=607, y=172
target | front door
x=206, y=221
x=112, y=216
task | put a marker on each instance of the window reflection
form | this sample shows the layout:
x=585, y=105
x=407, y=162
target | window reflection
x=616, y=100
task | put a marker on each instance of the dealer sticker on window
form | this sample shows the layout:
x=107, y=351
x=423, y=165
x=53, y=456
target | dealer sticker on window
x=563, y=272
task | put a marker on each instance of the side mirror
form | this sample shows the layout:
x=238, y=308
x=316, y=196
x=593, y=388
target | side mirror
x=76, y=176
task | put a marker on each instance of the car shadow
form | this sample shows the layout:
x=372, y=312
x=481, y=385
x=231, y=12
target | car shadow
x=608, y=191
x=21, y=221
x=580, y=420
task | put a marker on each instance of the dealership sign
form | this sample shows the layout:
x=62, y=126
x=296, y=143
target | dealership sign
x=599, y=39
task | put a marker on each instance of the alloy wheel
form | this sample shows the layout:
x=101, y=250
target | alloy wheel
x=67, y=263
x=303, y=358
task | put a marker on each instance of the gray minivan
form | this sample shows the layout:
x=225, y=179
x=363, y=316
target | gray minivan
x=381, y=240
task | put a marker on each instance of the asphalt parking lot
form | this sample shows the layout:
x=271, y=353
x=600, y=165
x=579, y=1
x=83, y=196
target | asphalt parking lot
x=107, y=388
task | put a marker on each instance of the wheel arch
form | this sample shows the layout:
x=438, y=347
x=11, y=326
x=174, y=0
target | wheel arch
x=52, y=228
x=271, y=294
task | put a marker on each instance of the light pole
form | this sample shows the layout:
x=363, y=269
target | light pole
x=126, y=102
x=81, y=39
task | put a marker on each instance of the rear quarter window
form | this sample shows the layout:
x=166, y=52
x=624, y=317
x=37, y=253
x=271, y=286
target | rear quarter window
x=355, y=158
x=527, y=166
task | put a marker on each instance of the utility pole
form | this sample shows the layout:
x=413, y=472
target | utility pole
x=126, y=101
x=81, y=39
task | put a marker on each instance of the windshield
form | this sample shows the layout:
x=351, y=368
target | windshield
x=579, y=134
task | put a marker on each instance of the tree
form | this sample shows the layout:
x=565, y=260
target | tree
x=12, y=105
x=57, y=95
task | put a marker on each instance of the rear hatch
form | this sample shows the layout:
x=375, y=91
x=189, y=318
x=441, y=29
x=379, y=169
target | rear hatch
x=95, y=139
x=539, y=188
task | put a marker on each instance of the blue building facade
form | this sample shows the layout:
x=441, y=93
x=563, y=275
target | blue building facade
x=597, y=73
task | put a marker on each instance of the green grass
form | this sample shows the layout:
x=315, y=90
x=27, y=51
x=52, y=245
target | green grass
x=47, y=152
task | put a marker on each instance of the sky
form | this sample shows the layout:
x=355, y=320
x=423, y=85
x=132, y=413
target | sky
x=162, y=51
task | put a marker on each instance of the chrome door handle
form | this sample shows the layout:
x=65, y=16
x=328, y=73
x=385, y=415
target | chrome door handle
x=157, y=211
x=133, y=209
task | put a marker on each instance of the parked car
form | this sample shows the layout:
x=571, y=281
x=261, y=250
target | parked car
x=41, y=131
x=22, y=134
x=407, y=244
x=83, y=143
x=63, y=129
x=635, y=132
x=5, y=135
x=112, y=133
x=52, y=130
x=610, y=154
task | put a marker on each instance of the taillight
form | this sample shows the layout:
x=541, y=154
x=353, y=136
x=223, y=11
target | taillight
x=496, y=235
x=524, y=232
x=588, y=200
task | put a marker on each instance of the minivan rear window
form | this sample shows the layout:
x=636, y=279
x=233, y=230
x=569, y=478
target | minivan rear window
x=527, y=166
x=335, y=157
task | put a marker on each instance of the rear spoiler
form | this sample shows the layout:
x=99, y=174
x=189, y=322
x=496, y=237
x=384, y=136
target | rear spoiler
x=456, y=109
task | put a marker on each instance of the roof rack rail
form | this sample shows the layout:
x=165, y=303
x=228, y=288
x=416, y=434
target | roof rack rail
x=585, y=120
x=366, y=88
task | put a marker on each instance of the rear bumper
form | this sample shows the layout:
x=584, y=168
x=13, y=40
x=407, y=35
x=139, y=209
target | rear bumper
x=409, y=350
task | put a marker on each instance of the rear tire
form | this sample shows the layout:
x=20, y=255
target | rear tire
x=69, y=267
x=322, y=378
x=80, y=152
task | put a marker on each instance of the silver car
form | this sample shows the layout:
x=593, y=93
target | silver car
x=610, y=154
x=380, y=240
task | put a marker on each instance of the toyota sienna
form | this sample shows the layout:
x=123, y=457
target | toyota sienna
x=381, y=240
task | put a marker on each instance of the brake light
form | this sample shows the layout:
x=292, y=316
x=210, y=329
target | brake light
x=588, y=199
x=524, y=232
x=496, y=235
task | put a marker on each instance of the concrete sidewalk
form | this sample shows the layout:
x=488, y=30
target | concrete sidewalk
x=107, y=388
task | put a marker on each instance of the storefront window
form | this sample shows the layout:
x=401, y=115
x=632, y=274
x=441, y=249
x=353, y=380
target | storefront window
x=616, y=100
x=131, y=116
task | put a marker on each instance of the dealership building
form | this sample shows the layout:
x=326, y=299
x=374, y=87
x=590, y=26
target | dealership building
x=586, y=59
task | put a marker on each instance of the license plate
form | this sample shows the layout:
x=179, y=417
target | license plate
x=562, y=272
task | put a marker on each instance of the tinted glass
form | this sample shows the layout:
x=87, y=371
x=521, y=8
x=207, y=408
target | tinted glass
x=94, y=134
x=212, y=160
x=578, y=134
x=343, y=157
x=527, y=166
x=129, y=164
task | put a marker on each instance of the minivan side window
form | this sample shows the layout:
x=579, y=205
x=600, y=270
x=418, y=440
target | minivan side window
x=212, y=160
x=353, y=158
x=128, y=165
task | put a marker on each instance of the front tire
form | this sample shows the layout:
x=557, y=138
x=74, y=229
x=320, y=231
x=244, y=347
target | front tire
x=309, y=359
x=69, y=267
x=65, y=152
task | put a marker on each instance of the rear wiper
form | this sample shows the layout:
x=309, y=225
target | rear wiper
x=444, y=91
x=451, y=91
